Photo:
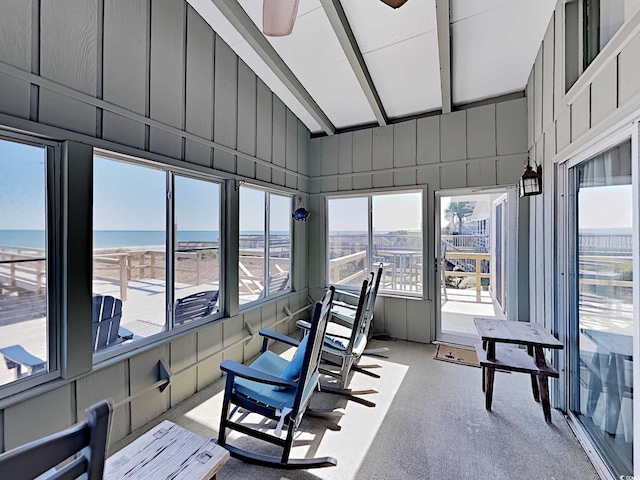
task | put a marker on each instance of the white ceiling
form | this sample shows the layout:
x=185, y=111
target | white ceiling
x=493, y=47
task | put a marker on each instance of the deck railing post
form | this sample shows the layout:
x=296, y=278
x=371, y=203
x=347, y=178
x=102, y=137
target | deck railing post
x=123, y=278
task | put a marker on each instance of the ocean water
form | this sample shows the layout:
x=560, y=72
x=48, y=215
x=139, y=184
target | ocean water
x=114, y=238
x=107, y=238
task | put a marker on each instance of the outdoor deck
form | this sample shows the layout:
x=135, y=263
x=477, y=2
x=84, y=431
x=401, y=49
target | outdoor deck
x=462, y=306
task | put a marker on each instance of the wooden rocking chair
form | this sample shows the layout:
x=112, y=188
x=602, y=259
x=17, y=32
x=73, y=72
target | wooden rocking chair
x=268, y=387
x=345, y=351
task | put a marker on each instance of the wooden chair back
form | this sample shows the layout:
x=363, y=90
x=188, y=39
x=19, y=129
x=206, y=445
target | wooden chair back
x=361, y=310
x=39, y=457
x=319, y=321
x=107, y=313
x=195, y=306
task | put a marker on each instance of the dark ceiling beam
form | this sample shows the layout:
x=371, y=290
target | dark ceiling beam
x=444, y=52
x=342, y=29
x=236, y=15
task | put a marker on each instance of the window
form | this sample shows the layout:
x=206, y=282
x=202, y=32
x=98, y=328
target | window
x=589, y=26
x=265, y=245
x=197, y=252
x=368, y=230
x=135, y=255
x=25, y=320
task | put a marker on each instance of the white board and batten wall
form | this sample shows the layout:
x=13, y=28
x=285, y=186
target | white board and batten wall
x=147, y=78
x=483, y=146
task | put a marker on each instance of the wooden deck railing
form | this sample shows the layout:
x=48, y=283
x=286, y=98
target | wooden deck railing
x=478, y=275
x=336, y=263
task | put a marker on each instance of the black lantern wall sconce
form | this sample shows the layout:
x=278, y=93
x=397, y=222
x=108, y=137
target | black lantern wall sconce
x=531, y=181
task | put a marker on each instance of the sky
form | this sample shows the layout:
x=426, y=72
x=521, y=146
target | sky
x=22, y=186
x=605, y=207
x=390, y=213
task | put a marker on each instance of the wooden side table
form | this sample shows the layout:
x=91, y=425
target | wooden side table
x=514, y=359
x=167, y=451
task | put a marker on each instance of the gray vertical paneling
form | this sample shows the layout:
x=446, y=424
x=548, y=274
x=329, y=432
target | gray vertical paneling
x=264, y=124
x=1, y=431
x=404, y=178
x=303, y=148
x=345, y=160
x=547, y=75
x=183, y=355
x=558, y=68
x=530, y=93
x=453, y=129
x=253, y=318
x=292, y=148
x=37, y=417
x=563, y=127
x=143, y=371
x=209, y=342
x=580, y=110
x=110, y=382
x=395, y=316
x=418, y=321
x=382, y=153
x=537, y=96
x=604, y=93
x=453, y=176
x=481, y=131
x=225, y=104
x=69, y=56
x=247, y=85
x=232, y=331
x=360, y=182
x=549, y=147
x=199, y=94
x=292, y=142
x=481, y=174
x=429, y=176
x=124, y=68
x=629, y=70
x=404, y=144
x=508, y=170
x=15, y=49
x=329, y=155
x=345, y=153
x=362, y=150
x=511, y=126
x=279, y=133
x=167, y=74
x=428, y=145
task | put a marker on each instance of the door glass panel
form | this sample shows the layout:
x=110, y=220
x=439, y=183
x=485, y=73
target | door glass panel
x=348, y=250
x=603, y=382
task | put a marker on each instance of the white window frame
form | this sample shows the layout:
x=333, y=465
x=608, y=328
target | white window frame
x=370, y=266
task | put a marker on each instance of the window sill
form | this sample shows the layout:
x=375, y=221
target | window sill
x=622, y=37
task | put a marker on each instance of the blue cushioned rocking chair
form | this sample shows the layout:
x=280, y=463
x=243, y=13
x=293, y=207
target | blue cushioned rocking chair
x=268, y=387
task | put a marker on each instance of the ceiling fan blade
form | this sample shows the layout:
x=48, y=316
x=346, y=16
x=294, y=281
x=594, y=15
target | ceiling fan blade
x=278, y=17
x=395, y=3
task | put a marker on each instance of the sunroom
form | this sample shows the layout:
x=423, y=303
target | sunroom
x=189, y=172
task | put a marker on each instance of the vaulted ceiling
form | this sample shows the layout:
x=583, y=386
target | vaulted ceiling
x=358, y=62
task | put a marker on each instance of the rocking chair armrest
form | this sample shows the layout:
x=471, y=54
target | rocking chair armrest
x=239, y=370
x=303, y=325
x=270, y=334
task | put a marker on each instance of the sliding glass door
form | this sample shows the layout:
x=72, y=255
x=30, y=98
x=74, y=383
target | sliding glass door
x=601, y=326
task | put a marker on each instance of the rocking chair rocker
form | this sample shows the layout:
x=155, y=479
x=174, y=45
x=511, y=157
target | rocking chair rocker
x=268, y=387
